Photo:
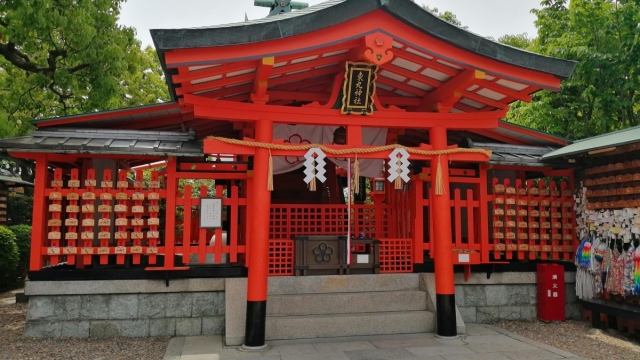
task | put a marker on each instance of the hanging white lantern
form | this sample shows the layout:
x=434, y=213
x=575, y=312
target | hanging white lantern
x=399, y=167
x=314, y=167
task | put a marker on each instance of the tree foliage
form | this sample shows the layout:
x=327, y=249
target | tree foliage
x=602, y=94
x=9, y=257
x=447, y=16
x=64, y=57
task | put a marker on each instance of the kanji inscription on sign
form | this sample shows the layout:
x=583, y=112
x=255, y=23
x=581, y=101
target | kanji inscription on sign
x=359, y=88
x=210, y=213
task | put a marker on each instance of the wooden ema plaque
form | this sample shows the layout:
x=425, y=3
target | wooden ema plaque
x=532, y=219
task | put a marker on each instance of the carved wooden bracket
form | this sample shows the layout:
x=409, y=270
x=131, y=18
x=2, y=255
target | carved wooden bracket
x=379, y=48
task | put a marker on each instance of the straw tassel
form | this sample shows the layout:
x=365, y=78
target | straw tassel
x=270, y=173
x=356, y=175
x=439, y=184
x=312, y=185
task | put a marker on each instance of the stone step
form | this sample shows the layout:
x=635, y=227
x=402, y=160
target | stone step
x=342, y=284
x=362, y=324
x=346, y=303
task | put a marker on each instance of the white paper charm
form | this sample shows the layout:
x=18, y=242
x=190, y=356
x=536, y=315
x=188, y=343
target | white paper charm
x=314, y=166
x=399, y=163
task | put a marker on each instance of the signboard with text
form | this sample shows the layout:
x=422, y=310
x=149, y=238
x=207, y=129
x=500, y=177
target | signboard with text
x=359, y=88
x=210, y=213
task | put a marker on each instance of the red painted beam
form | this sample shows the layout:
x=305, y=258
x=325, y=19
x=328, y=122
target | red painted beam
x=285, y=79
x=451, y=91
x=186, y=76
x=485, y=100
x=104, y=115
x=410, y=75
x=532, y=133
x=516, y=95
x=400, y=86
x=187, y=88
x=261, y=81
x=311, y=64
x=430, y=64
x=218, y=109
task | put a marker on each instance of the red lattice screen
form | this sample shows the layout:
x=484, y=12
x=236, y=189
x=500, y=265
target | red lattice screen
x=288, y=221
x=281, y=257
x=396, y=255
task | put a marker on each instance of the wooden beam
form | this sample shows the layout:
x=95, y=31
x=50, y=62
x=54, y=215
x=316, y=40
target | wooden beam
x=429, y=64
x=410, y=75
x=311, y=64
x=188, y=88
x=187, y=76
x=400, y=86
x=261, y=81
x=323, y=97
x=285, y=79
x=485, y=100
x=504, y=90
x=225, y=110
x=451, y=91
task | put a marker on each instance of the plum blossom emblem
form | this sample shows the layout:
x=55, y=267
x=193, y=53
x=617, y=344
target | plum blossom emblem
x=323, y=253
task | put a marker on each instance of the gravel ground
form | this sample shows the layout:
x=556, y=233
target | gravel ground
x=578, y=338
x=14, y=346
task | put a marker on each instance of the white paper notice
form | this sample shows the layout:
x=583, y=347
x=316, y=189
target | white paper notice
x=362, y=258
x=463, y=258
x=210, y=213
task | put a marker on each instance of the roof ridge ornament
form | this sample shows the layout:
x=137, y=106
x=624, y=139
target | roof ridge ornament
x=280, y=6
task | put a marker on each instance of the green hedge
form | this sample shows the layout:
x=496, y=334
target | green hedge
x=21, y=207
x=9, y=256
x=23, y=241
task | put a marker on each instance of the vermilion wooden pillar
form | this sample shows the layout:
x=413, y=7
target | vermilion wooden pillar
x=38, y=229
x=170, y=229
x=259, y=257
x=442, y=246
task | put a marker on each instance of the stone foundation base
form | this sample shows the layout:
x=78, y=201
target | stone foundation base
x=96, y=314
x=507, y=296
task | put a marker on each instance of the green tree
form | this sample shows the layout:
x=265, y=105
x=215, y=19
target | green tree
x=63, y=57
x=602, y=94
x=447, y=16
x=520, y=41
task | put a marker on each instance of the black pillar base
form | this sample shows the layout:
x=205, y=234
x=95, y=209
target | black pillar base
x=254, y=335
x=446, y=315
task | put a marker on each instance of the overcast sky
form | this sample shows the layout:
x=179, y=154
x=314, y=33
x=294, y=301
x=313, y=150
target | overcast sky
x=484, y=17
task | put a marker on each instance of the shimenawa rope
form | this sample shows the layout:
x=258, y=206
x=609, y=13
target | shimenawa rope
x=355, y=151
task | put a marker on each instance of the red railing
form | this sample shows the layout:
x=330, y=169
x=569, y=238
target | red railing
x=209, y=246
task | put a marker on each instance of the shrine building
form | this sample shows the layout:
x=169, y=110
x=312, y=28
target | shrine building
x=348, y=138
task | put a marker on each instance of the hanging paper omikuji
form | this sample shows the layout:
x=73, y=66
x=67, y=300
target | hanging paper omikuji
x=399, y=167
x=314, y=167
